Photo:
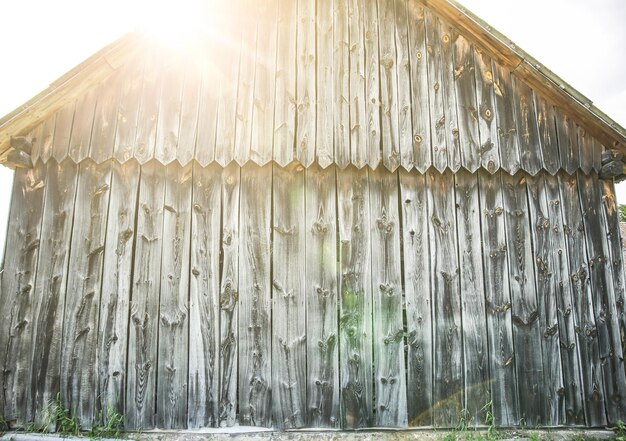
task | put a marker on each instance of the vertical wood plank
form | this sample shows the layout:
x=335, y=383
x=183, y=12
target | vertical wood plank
x=582, y=303
x=420, y=85
x=449, y=37
x=358, y=97
x=597, y=154
x=79, y=370
x=547, y=135
x=105, y=120
x=116, y=289
x=403, y=73
x=46, y=144
x=388, y=330
x=475, y=345
x=568, y=143
x=447, y=333
x=487, y=126
x=505, y=119
x=527, y=131
x=49, y=294
x=434, y=57
x=306, y=59
x=341, y=86
x=288, y=298
x=321, y=298
x=355, y=310
x=37, y=136
x=189, y=115
x=524, y=308
x=168, y=121
x=416, y=248
x=504, y=385
x=62, y=132
x=229, y=296
x=255, y=336
x=144, y=306
x=128, y=111
x=372, y=83
x=18, y=281
x=585, y=150
x=82, y=128
x=324, y=150
x=210, y=90
x=146, y=133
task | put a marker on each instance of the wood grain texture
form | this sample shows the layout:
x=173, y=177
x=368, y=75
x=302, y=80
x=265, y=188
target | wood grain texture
x=568, y=142
x=355, y=308
x=548, y=140
x=358, y=97
x=597, y=154
x=206, y=136
x=187, y=132
x=324, y=149
x=585, y=150
x=505, y=119
x=527, y=129
x=388, y=330
x=306, y=91
x=475, y=344
x=46, y=143
x=341, y=83
x=128, y=111
x=504, y=384
x=148, y=116
x=82, y=127
x=144, y=306
x=486, y=113
x=449, y=37
x=37, y=137
x=79, y=369
x=62, y=130
x=168, y=121
x=255, y=310
x=322, y=340
x=18, y=281
x=403, y=73
x=372, y=89
x=416, y=248
x=288, y=298
x=105, y=120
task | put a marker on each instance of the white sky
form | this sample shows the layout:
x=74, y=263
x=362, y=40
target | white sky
x=579, y=40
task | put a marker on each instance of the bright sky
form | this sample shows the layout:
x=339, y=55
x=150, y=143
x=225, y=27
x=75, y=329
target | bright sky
x=579, y=40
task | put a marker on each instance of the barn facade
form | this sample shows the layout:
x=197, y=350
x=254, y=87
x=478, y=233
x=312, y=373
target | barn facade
x=328, y=214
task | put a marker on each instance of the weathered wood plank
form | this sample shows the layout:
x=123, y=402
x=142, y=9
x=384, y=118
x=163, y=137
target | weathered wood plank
x=504, y=384
x=355, y=309
x=358, y=97
x=438, y=122
x=597, y=154
x=285, y=111
x=79, y=369
x=568, y=144
x=324, y=150
x=582, y=303
x=144, y=307
x=372, y=83
x=83, y=125
x=464, y=85
x=128, y=111
x=47, y=139
x=187, y=131
x=449, y=37
x=170, y=102
x=229, y=296
x=475, y=344
x=547, y=135
x=403, y=73
x=585, y=150
x=321, y=298
x=420, y=112
x=341, y=83
x=288, y=298
x=37, y=136
x=255, y=312
x=105, y=119
x=603, y=289
x=415, y=240
x=210, y=90
x=116, y=289
x=388, y=330
x=527, y=130
x=448, y=390
x=18, y=302
x=505, y=119
x=547, y=287
x=62, y=132
x=524, y=308
x=146, y=132
x=487, y=126
x=306, y=93
x=204, y=285
x=570, y=361
x=173, y=350
x=49, y=294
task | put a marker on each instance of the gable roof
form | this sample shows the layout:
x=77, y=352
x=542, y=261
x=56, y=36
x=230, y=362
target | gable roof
x=532, y=82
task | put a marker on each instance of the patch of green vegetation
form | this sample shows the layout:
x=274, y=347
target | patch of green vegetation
x=110, y=427
x=4, y=425
x=620, y=431
x=54, y=417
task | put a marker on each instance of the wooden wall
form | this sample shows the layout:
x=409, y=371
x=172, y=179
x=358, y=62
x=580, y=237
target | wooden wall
x=288, y=297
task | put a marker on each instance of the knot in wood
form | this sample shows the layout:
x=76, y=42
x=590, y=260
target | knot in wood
x=320, y=227
x=387, y=61
x=387, y=289
x=384, y=225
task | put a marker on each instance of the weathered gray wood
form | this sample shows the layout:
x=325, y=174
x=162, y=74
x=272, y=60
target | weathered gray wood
x=321, y=298
x=146, y=133
x=358, y=116
x=49, y=294
x=355, y=311
x=422, y=154
x=255, y=336
x=372, y=84
x=597, y=155
x=582, y=303
x=324, y=151
x=504, y=385
x=62, y=132
x=128, y=111
x=585, y=150
x=527, y=130
x=388, y=331
x=288, y=298
x=524, y=308
x=47, y=139
x=229, y=296
x=285, y=111
x=210, y=91
x=170, y=101
x=173, y=350
x=448, y=390
x=189, y=115
x=505, y=119
x=79, y=369
x=17, y=302
x=475, y=344
x=603, y=289
x=83, y=125
x=568, y=143
x=547, y=286
x=105, y=119
x=37, y=136
x=403, y=73
x=570, y=361
x=547, y=135
x=341, y=83
x=473, y=152
x=449, y=37
x=144, y=306
x=436, y=68
x=204, y=284
x=306, y=93
x=116, y=289
x=415, y=241
x=487, y=126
